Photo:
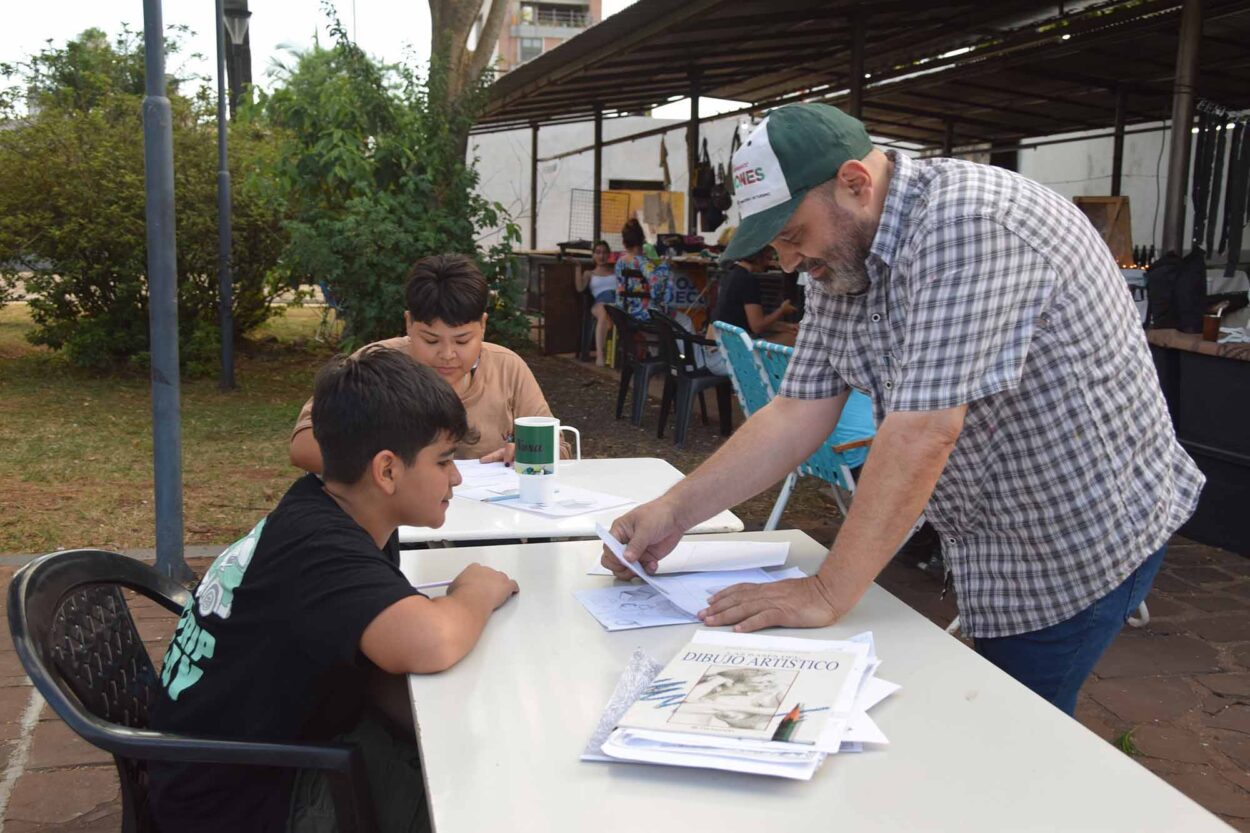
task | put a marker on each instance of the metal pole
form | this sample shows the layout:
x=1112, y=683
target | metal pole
x=1182, y=121
x=598, y=174
x=534, y=186
x=859, y=30
x=1117, y=143
x=692, y=156
x=158, y=165
x=225, y=282
x=948, y=140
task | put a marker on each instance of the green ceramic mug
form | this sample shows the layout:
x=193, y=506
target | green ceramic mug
x=538, y=456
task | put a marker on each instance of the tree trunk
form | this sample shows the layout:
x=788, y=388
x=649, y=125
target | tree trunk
x=452, y=22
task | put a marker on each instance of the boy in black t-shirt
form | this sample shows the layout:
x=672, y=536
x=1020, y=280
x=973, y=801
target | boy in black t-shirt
x=295, y=624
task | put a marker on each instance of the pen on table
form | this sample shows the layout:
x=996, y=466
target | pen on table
x=498, y=498
x=432, y=585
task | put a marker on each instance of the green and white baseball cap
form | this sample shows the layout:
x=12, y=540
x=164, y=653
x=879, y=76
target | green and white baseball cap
x=793, y=150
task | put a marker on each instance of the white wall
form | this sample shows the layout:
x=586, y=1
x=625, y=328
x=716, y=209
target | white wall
x=1081, y=168
x=504, y=166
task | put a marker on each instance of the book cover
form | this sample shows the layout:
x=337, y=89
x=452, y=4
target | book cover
x=747, y=692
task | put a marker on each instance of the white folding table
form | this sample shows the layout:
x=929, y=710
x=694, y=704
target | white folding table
x=638, y=478
x=970, y=748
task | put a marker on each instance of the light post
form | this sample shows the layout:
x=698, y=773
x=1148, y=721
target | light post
x=234, y=24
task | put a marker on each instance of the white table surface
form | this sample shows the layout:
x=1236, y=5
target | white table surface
x=637, y=478
x=971, y=749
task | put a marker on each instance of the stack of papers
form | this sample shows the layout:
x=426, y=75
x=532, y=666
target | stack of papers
x=484, y=481
x=767, y=705
x=498, y=484
x=687, y=577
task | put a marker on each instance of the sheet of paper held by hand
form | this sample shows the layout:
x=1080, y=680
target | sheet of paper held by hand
x=688, y=592
x=713, y=556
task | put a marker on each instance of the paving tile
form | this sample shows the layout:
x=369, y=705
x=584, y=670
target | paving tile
x=1230, y=685
x=1143, y=654
x=1236, y=746
x=1167, y=607
x=1236, y=717
x=1171, y=743
x=1216, y=602
x=13, y=703
x=1241, y=655
x=1144, y=700
x=1201, y=575
x=55, y=797
x=1168, y=583
x=1205, y=785
x=1223, y=628
x=56, y=745
x=1098, y=719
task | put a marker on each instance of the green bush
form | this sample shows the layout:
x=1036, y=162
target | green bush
x=72, y=216
x=375, y=178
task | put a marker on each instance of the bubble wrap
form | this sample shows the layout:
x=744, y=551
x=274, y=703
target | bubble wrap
x=638, y=674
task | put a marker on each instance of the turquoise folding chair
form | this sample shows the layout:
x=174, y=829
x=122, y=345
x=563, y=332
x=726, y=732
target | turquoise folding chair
x=838, y=454
x=750, y=384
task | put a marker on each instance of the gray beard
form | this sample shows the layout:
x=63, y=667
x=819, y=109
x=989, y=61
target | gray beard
x=846, y=282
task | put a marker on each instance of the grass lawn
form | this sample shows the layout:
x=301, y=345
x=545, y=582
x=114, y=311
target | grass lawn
x=77, y=464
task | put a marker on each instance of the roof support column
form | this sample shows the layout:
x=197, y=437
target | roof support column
x=1182, y=121
x=598, y=173
x=692, y=156
x=534, y=185
x=859, y=32
x=1117, y=142
x=948, y=140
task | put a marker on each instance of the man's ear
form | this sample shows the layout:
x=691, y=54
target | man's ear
x=855, y=178
x=384, y=469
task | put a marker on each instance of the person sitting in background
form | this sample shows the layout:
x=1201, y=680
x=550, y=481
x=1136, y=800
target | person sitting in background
x=640, y=281
x=601, y=280
x=738, y=302
x=446, y=324
x=305, y=629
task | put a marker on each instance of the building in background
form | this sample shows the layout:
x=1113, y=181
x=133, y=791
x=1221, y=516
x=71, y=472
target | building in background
x=533, y=28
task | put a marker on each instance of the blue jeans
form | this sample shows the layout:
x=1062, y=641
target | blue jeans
x=1055, y=660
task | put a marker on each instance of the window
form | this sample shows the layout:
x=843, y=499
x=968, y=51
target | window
x=530, y=48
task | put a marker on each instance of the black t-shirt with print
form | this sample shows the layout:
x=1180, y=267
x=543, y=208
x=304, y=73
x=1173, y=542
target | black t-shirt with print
x=738, y=287
x=268, y=650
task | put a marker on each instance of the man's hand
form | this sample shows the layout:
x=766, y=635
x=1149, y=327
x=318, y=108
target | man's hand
x=792, y=603
x=478, y=578
x=786, y=307
x=649, y=533
x=505, y=455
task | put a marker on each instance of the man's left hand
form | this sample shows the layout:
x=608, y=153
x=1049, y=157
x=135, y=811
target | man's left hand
x=792, y=603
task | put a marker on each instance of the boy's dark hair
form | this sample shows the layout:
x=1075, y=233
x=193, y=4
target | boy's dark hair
x=380, y=399
x=447, y=288
x=631, y=233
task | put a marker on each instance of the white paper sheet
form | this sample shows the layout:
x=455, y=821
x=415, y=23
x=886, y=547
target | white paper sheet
x=708, y=556
x=483, y=481
x=624, y=607
x=569, y=501
x=687, y=591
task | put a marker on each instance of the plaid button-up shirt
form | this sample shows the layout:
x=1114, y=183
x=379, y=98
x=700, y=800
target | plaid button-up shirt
x=991, y=291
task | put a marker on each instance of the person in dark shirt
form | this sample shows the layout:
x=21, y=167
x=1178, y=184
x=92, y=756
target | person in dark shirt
x=296, y=626
x=738, y=302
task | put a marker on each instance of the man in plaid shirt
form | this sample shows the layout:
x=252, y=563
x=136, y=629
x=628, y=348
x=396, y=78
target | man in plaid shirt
x=1013, y=389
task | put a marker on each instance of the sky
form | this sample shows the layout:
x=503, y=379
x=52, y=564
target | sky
x=386, y=29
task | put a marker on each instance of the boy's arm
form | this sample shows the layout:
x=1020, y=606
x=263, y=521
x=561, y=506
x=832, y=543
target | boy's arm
x=424, y=636
x=305, y=452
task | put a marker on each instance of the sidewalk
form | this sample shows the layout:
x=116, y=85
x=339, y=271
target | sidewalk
x=1175, y=695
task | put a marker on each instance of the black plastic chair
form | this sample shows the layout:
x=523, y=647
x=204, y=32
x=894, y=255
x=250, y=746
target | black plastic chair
x=686, y=379
x=78, y=643
x=634, y=341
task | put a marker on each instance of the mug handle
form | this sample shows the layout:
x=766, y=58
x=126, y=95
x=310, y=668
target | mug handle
x=579, y=440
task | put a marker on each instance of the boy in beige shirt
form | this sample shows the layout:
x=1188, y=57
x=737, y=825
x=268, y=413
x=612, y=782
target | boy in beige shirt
x=446, y=323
